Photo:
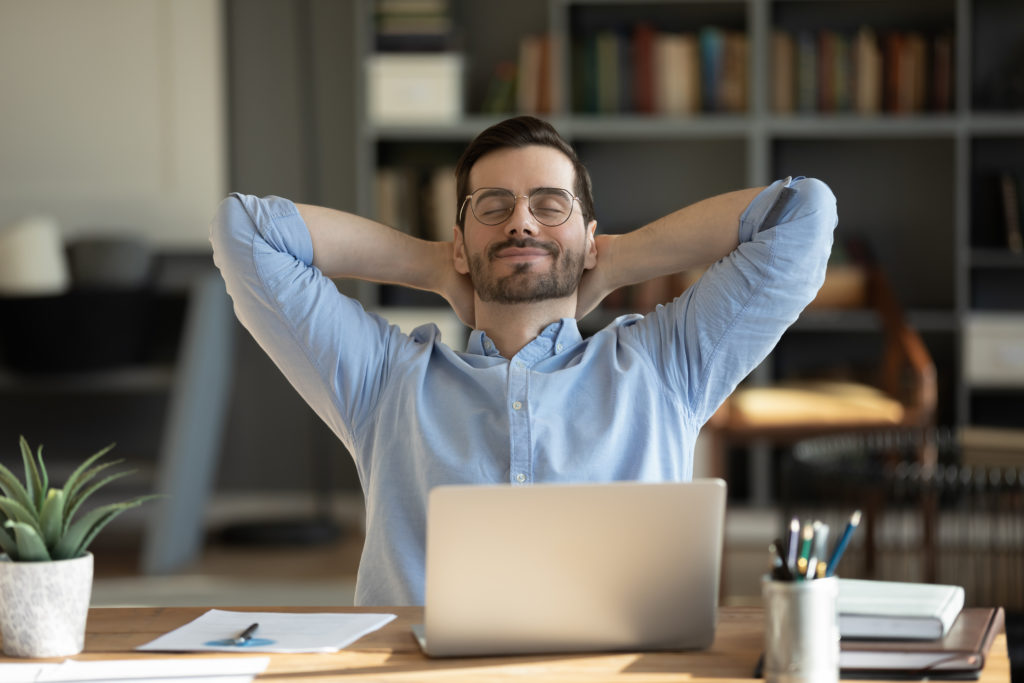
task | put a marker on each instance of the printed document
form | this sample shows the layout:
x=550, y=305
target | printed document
x=276, y=632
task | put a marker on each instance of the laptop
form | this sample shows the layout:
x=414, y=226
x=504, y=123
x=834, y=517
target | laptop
x=563, y=568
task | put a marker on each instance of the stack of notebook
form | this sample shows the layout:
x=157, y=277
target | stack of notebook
x=912, y=630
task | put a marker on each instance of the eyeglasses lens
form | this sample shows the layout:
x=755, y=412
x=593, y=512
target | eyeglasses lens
x=550, y=206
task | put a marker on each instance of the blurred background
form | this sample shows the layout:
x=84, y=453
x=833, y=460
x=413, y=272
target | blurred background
x=124, y=122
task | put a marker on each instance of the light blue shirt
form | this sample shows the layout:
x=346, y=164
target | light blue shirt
x=624, y=404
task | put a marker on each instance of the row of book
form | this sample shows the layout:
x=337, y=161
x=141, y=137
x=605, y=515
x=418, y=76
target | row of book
x=640, y=70
x=646, y=71
x=413, y=25
x=866, y=71
x=420, y=202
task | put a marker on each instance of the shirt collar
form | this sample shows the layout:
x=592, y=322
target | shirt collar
x=554, y=339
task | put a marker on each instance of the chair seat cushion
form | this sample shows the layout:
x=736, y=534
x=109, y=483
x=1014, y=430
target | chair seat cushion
x=813, y=403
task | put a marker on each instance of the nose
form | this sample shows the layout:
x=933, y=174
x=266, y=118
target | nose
x=521, y=221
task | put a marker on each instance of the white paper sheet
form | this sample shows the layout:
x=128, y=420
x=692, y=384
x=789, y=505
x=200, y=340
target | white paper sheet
x=278, y=632
x=222, y=670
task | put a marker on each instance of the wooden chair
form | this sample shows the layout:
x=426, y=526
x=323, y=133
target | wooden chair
x=904, y=394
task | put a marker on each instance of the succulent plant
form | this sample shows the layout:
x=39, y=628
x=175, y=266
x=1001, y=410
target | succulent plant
x=37, y=523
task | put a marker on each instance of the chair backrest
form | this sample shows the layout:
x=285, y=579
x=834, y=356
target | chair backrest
x=907, y=372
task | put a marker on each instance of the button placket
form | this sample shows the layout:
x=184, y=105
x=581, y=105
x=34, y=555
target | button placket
x=519, y=420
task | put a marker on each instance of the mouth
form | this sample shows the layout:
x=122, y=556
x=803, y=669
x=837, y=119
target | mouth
x=520, y=252
x=521, y=255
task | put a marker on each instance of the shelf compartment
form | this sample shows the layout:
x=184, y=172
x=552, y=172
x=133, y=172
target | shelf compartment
x=820, y=53
x=997, y=63
x=623, y=56
x=997, y=191
x=685, y=172
x=879, y=184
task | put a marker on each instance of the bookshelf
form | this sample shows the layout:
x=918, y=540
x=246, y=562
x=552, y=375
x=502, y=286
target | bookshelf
x=914, y=178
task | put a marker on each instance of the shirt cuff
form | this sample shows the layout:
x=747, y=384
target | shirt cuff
x=764, y=211
x=279, y=223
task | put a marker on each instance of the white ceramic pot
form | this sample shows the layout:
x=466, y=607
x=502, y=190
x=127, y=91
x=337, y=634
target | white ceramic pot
x=44, y=605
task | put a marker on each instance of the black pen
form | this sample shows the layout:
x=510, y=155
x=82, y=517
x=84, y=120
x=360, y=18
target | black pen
x=780, y=571
x=246, y=635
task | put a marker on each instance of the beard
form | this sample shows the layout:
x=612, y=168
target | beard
x=522, y=286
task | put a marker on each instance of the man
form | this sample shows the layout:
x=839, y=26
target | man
x=529, y=400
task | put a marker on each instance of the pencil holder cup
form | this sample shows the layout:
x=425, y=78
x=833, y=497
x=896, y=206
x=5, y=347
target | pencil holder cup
x=801, y=631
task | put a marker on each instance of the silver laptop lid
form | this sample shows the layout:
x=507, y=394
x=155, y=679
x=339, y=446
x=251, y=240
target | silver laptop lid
x=565, y=568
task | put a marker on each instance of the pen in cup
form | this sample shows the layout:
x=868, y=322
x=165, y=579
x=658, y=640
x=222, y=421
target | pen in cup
x=246, y=635
x=820, y=551
x=805, y=552
x=805, y=556
x=794, y=539
x=780, y=569
x=844, y=540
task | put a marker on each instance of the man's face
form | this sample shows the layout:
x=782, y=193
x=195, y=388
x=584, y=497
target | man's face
x=522, y=260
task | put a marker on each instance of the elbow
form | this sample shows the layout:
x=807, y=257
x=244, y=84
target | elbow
x=816, y=197
x=227, y=213
x=230, y=224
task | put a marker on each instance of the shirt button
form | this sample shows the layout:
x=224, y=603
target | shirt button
x=559, y=347
x=520, y=477
x=520, y=364
x=517, y=405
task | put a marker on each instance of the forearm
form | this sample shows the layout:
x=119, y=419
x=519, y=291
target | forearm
x=346, y=245
x=693, y=236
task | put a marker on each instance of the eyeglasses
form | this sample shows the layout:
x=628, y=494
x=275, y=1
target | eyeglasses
x=551, y=206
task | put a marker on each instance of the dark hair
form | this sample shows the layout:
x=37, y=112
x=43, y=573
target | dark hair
x=522, y=131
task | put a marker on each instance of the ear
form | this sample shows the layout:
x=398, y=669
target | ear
x=590, y=260
x=459, y=258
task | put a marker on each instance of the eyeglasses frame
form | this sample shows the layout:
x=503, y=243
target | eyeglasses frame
x=515, y=198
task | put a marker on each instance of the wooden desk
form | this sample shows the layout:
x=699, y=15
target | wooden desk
x=392, y=654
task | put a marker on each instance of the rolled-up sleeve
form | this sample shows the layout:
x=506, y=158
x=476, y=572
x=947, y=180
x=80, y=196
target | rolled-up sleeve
x=327, y=346
x=720, y=329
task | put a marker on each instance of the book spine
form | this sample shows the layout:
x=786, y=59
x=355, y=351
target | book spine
x=642, y=48
x=1011, y=212
x=783, y=68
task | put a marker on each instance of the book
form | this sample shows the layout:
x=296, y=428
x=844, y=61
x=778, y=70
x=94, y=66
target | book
x=1011, y=212
x=942, y=73
x=608, y=78
x=500, y=97
x=676, y=74
x=528, y=82
x=711, y=45
x=783, y=68
x=732, y=87
x=806, y=72
x=442, y=205
x=897, y=609
x=642, y=48
x=962, y=651
x=867, y=72
x=826, y=70
x=395, y=189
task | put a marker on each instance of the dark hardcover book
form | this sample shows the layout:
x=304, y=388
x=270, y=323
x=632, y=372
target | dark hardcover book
x=1010, y=195
x=643, y=68
x=960, y=652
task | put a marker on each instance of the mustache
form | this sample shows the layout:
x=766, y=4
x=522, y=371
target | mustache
x=521, y=243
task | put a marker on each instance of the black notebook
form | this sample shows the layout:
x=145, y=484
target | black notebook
x=959, y=654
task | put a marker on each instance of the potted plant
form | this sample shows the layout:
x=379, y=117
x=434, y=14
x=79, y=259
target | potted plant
x=46, y=568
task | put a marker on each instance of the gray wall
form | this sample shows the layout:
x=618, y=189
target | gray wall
x=292, y=117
